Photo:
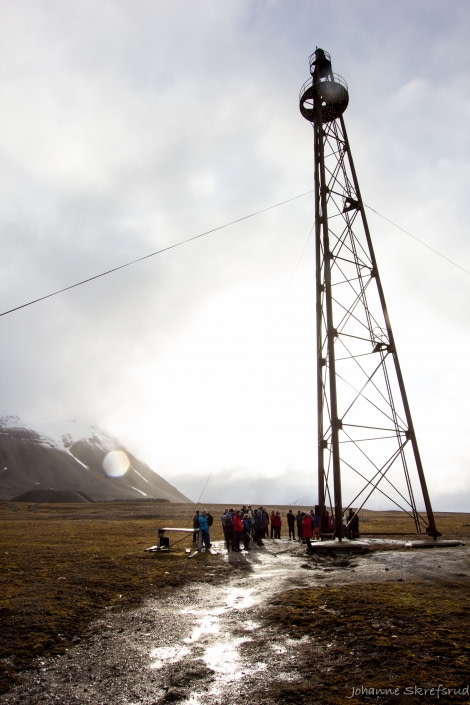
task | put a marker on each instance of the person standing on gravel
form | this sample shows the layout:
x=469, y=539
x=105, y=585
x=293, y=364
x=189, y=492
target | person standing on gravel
x=316, y=527
x=272, y=520
x=251, y=519
x=259, y=527
x=227, y=524
x=298, y=519
x=277, y=521
x=204, y=529
x=307, y=530
x=238, y=530
x=195, y=525
x=247, y=533
x=291, y=524
x=353, y=525
x=266, y=521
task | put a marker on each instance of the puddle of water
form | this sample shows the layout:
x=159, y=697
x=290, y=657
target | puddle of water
x=250, y=626
x=223, y=657
x=167, y=654
x=240, y=599
x=209, y=624
x=235, y=598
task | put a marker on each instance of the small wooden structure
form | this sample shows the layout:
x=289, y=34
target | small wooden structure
x=164, y=541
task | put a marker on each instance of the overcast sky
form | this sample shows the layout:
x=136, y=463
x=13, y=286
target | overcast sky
x=127, y=127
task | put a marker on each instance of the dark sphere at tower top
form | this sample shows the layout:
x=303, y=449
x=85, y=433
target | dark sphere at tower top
x=333, y=95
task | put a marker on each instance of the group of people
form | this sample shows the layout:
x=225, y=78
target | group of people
x=242, y=526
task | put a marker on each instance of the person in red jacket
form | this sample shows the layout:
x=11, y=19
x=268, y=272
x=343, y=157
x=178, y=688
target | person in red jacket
x=272, y=521
x=277, y=522
x=307, y=530
x=238, y=530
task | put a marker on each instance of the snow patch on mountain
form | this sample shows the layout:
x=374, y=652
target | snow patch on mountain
x=54, y=456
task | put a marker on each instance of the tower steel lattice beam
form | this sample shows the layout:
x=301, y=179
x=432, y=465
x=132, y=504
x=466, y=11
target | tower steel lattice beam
x=366, y=438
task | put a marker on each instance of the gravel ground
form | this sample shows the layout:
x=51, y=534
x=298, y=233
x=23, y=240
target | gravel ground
x=208, y=643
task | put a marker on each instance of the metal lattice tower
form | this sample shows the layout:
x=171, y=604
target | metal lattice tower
x=366, y=439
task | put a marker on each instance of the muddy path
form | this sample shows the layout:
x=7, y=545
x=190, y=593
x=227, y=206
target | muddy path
x=209, y=643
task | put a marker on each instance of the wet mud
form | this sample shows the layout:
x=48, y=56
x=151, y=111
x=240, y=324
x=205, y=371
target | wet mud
x=211, y=643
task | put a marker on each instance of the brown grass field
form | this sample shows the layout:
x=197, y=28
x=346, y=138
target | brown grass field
x=62, y=565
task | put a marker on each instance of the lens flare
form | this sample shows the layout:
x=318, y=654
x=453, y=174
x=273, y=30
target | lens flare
x=116, y=463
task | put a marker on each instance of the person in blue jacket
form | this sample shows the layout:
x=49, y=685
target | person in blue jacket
x=204, y=528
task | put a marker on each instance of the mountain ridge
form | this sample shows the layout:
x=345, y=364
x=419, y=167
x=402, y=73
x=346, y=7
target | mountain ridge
x=71, y=462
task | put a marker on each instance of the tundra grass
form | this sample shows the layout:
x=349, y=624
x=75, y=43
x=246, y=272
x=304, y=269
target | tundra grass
x=63, y=565
x=377, y=643
x=60, y=566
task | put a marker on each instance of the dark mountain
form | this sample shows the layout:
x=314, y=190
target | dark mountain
x=72, y=463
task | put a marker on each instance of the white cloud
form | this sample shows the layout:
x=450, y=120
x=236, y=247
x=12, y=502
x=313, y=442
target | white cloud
x=128, y=127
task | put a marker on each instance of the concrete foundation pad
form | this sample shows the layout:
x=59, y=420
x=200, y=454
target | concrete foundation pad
x=434, y=544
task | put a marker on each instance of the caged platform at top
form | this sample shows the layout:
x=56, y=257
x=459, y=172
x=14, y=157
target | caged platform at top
x=326, y=86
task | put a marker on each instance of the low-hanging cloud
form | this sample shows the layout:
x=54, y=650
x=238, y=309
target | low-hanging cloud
x=125, y=130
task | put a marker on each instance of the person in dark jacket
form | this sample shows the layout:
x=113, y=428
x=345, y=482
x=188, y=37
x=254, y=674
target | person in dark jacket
x=316, y=527
x=246, y=535
x=266, y=521
x=259, y=527
x=195, y=525
x=291, y=524
x=298, y=519
x=227, y=524
x=353, y=525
